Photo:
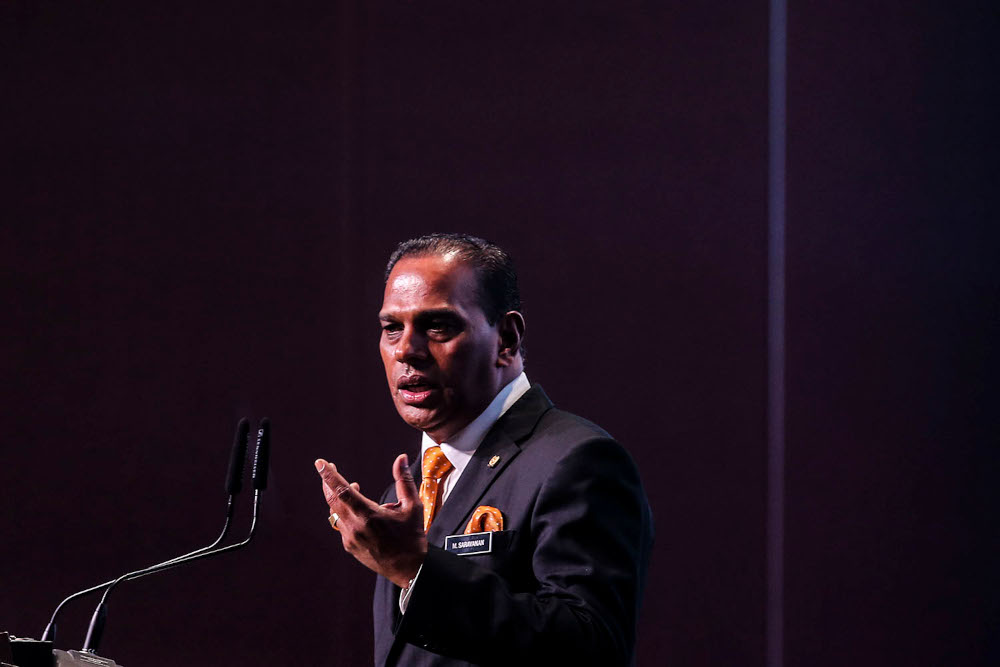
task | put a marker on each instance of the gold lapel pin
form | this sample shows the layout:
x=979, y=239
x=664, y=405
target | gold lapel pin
x=493, y=461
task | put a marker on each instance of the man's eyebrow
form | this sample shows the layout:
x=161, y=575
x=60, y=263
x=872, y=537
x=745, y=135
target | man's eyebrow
x=438, y=312
x=423, y=314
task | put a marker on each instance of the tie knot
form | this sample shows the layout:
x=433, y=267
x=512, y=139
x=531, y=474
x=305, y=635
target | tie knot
x=435, y=464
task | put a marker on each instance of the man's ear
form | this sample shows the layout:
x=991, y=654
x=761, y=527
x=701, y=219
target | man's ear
x=511, y=330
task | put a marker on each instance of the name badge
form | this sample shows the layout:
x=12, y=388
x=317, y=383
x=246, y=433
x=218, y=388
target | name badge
x=468, y=545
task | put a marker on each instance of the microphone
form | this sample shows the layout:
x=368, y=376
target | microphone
x=238, y=458
x=262, y=455
x=260, y=468
x=234, y=483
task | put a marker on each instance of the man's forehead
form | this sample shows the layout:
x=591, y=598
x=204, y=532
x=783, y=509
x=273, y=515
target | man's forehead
x=431, y=265
x=430, y=282
x=430, y=274
x=408, y=283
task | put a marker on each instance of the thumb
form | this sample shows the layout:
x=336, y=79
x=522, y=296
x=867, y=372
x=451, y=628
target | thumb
x=406, y=488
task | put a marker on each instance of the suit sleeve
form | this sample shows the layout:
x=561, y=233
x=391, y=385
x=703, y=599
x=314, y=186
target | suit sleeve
x=591, y=530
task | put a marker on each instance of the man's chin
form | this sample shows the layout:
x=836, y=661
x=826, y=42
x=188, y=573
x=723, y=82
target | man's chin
x=422, y=419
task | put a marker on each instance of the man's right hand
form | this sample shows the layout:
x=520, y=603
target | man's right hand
x=387, y=539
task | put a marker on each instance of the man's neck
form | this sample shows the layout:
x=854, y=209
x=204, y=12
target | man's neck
x=501, y=402
x=508, y=374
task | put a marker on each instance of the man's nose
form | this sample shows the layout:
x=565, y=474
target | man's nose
x=411, y=347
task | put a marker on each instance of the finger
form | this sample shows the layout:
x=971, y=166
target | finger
x=352, y=501
x=336, y=488
x=342, y=497
x=329, y=473
x=406, y=488
x=331, y=494
x=333, y=481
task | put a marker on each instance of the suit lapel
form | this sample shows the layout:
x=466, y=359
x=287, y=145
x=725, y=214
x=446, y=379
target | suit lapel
x=503, y=441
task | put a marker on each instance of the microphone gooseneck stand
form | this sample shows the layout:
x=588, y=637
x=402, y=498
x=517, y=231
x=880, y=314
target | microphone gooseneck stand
x=50, y=629
x=260, y=467
x=96, y=629
x=234, y=484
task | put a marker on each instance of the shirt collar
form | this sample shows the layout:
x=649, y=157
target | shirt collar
x=460, y=447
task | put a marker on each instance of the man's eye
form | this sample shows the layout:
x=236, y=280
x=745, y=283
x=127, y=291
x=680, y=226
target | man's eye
x=391, y=328
x=441, y=327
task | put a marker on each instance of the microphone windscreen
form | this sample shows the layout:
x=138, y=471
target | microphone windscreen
x=238, y=457
x=262, y=456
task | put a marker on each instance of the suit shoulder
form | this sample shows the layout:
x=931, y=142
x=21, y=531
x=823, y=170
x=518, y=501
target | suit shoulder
x=570, y=426
x=560, y=435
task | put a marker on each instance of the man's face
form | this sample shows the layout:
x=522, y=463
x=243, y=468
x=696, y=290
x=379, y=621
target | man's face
x=439, y=351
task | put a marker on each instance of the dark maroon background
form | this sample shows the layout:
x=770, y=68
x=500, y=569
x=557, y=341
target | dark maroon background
x=198, y=203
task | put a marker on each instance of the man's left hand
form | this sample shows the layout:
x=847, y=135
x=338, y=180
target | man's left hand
x=387, y=539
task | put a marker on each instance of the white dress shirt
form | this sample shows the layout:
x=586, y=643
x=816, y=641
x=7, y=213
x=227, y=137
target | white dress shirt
x=460, y=447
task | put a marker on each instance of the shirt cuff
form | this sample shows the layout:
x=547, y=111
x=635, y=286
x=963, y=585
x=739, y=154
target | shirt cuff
x=404, y=594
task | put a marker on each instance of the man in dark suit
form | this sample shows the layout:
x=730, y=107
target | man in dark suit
x=529, y=537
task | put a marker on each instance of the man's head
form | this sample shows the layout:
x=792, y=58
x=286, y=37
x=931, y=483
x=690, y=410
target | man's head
x=451, y=330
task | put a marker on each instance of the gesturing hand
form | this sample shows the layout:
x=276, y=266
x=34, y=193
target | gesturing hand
x=387, y=539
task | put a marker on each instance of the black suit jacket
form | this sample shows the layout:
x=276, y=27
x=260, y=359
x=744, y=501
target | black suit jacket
x=564, y=579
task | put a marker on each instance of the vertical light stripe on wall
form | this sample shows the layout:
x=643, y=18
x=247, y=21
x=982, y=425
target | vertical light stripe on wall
x=775, y=620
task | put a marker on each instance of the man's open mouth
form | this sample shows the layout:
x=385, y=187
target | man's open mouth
x=415, y=390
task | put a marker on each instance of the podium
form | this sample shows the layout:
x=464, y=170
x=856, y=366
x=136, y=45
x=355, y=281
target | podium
x=17, y=652
x=81, y=659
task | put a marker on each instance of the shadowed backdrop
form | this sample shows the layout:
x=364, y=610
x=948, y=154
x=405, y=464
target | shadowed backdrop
x=199, y=202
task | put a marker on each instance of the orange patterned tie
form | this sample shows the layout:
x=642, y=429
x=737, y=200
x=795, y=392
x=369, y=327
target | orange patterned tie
x=435, y=466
